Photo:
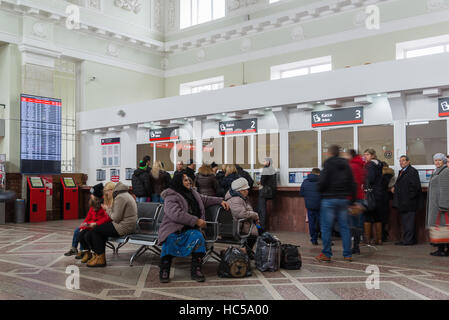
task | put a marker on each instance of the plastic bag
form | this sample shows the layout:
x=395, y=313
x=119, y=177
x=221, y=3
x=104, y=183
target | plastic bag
x=268, y=253
x=234, y=264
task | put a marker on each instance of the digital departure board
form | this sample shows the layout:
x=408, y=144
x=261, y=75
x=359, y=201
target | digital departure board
x=40, y=135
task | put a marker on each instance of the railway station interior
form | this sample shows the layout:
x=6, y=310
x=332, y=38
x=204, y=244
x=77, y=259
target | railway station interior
x=92, y=89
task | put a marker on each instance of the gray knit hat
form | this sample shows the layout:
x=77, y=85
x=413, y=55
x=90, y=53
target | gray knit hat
x=440, y=156
x=240, y=184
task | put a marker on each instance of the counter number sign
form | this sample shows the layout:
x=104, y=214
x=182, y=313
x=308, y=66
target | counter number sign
x=330, y=118
x=238, y=127
x=443, y=107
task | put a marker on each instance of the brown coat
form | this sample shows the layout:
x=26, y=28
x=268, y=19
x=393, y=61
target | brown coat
x=242, y=209
x=206, y=184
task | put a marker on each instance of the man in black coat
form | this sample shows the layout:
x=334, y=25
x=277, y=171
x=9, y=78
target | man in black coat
x=244, y=174
x=338, y=191
x=190, y=170
x=406, y=192
x=141, y=182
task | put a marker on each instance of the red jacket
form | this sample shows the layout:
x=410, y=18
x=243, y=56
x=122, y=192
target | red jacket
x=358, y=171
x=99, y=217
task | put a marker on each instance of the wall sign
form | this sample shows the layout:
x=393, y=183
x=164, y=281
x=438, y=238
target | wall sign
x=443, y=107
x=110, y=152
x=164, y=134
x=40, y=135
x=115, y=175
x=237, y=127
x=341, y=117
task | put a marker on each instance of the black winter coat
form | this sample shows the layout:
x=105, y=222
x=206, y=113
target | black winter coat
x=141, y=183
x=309, y=190
x=374, y=179
x=336, y=180
x=269, y=180
x=245, y=175
x=220, y=191
x=190, y=173
x=227, y=182
x=407, y=191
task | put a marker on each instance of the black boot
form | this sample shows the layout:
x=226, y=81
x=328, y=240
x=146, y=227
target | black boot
x=356, y=247
x=196, y=269
x=164, y=273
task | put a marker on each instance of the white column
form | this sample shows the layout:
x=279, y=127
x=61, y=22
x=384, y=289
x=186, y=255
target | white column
x=197, y=134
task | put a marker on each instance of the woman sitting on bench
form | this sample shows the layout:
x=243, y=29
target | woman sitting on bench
x=238, y=201
x=180, y=231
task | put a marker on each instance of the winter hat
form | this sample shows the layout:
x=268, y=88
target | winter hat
x=440, y=156
x=97, y=190
x=240, y=184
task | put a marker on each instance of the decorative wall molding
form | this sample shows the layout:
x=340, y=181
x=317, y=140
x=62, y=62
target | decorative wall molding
x=433, y=5
x=40, y=30
x=157, y=15
x=129, y=5
x=112, y=50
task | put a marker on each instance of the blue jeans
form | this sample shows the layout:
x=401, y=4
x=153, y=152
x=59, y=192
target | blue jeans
x=156, y=198
x=75, y=239
x=314, y=219
x=141, y=199
x=331, y=210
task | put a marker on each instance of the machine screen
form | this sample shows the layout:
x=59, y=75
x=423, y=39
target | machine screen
x=69, y=183
x=36, y=182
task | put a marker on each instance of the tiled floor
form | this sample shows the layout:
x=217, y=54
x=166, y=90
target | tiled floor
x=32, y=266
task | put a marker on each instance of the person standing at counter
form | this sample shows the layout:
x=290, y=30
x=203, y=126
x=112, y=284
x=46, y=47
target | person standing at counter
x=312, y=198
x=406, y=192
x=438, y=198
x=267, y=191
x=373, y=182
x=206, y=182
x=160, y=180
x=141, y=182
x=336, y=186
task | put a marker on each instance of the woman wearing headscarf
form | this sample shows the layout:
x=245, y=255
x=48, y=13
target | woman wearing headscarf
x=267, y=190
x=180, y=231
x=438, y=198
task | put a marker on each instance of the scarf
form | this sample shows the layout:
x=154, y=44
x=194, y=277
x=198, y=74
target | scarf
x=268, y=170
x=178, y=185
x=237, y=194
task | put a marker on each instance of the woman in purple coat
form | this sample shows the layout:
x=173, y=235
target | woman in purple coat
x=180, y=231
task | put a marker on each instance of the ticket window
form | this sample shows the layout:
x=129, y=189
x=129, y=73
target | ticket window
x=343, y=137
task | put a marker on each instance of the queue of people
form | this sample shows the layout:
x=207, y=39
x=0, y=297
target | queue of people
x=351, y=190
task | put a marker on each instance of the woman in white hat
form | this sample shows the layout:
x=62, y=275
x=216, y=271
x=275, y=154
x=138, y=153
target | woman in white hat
x=237, y=199
x=438, y=198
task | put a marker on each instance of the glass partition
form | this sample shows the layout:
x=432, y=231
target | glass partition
x=303, y=149
x=426, y=139
x=379, y=138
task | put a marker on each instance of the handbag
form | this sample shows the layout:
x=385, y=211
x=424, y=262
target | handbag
x=440, y=234
x=371, y=203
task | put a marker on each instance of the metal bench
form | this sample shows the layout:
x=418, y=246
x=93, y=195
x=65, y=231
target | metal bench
x=147, y=213
x=147, y=236
x=224, y=229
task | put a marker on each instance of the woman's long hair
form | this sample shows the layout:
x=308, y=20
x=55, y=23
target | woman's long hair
x=108, y=198
x=156, y=170
x=372, y=152
x=230, y=169
x=95, y=203
x=205, y=170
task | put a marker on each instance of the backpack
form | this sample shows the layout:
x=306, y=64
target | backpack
x=268, y=253
x=234, y=264
x=290, y=257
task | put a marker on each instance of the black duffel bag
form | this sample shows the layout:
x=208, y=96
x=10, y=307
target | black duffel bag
x=234, y=264
x=268, y=253
x=290, y=257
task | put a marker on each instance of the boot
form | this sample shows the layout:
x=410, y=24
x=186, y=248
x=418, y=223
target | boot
x=356, y=247
x=196, y=269
x=164, y=273
x=71, y=252
x=87, y=255
x=98, y=262
x=367, y=235
x=378, y=226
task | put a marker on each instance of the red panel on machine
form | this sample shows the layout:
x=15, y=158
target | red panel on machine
x=37, y=200
x=69, y=199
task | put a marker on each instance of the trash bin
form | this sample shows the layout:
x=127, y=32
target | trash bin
x=19, y=211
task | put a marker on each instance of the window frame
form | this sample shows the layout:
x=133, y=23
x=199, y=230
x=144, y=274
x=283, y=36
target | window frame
x=403, y=48
x=188, y=87
x=309, y=64
x=194, y=6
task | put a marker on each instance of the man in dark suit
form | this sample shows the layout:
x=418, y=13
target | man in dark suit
x=406, y=200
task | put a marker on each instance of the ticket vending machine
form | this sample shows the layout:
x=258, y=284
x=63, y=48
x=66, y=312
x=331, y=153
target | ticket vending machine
x=37, y=200
x=69, y=195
